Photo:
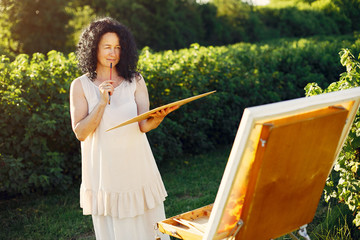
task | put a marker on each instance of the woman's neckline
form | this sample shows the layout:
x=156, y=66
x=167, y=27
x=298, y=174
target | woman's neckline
x=92, y=82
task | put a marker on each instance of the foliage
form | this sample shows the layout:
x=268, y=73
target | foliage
x=350, y=9
x=333, y=221
x=6, y=44
x=345, y=13
x=172, y=24
x=37, y=147
x=44, y=154
x=292, y=22
x=162, y=24
x=344, y=183
x=37, y=26
x=80, y=17
x=273, y=72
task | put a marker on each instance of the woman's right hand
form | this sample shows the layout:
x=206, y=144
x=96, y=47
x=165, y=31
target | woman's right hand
x=84, y=123
x=106, y=89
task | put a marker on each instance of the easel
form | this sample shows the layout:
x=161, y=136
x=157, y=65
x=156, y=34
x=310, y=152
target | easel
x=276, y=172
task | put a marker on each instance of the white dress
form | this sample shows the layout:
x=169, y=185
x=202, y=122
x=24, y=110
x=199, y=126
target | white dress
x=120, y=179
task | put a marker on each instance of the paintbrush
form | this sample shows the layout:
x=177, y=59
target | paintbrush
x=110, y=79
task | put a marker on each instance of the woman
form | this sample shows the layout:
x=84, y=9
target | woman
x=121, y=185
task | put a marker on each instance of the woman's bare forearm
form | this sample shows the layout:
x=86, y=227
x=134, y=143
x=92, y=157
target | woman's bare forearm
x=149, y=124
x=87, y=126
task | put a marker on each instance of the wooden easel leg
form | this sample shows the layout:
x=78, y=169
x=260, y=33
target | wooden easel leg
x=293, y=236
x=302, y=232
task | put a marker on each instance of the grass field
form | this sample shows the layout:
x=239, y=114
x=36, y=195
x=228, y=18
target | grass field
x=191, y=182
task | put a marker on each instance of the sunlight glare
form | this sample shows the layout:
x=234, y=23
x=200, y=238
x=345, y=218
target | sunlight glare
x=254, y=2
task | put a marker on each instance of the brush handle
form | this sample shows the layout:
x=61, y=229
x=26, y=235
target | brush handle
x=110, y=79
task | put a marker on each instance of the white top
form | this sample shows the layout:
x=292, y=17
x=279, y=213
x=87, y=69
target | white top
x=119, y=173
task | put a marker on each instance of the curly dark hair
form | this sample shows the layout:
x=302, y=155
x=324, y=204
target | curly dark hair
x=88, y=45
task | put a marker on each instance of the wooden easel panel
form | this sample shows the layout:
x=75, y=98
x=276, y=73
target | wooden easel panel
x=259, y=117
x=277, y=168
x=289, y=173
x=234, y=205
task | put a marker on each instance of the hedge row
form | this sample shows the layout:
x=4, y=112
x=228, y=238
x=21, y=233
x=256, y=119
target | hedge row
x=243, y=74
x=38, y=150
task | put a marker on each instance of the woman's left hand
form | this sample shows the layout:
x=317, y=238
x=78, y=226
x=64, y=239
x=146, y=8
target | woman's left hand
x=142, y=102
x=155, y=119
x=160, y=115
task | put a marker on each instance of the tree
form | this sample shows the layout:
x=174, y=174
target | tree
x=351, y=9
x=160, y=24
x=5, y=35
x=244, y=20
x=38, y=26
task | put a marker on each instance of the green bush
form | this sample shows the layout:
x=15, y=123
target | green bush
x=344, y=182
x=243, y=74
x=40, y=152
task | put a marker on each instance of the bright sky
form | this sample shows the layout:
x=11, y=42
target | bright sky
x=255, y=2
x=260, y=2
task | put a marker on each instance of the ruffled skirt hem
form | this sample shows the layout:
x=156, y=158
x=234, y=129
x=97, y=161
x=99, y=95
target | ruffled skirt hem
x=122, y=204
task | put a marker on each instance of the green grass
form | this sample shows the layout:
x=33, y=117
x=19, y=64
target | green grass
x=191, y=182
x=334, y=223
x=54, y=216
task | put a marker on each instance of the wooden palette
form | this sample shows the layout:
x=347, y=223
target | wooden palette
x=147, y=114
